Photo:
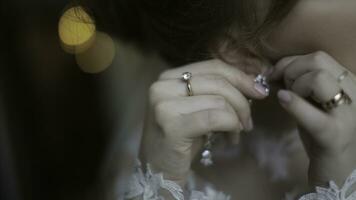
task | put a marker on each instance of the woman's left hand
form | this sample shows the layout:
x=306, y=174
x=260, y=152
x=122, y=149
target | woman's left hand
x=329, y=135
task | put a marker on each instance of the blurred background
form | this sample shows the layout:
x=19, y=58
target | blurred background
x=64, y=88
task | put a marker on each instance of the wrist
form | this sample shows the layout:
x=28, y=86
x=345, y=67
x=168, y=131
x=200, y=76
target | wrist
x=178, y=177
x=173, y=171
x=330, y=166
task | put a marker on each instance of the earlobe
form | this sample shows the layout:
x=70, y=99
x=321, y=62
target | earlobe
x=249, y=65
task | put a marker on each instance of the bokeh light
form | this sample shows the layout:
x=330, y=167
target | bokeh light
x=76, y=30
x=94, y=50
x=99, y=56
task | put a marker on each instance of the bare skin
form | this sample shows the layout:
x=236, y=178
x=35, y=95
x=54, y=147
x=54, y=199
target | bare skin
x=311, y=26
x=317, y=25
x=314, y=25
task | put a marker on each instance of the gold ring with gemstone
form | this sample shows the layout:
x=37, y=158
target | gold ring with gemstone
x=339, y=99
x=186, y=77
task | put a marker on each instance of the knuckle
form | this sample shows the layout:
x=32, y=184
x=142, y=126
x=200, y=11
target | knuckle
x=320, y=54
x=318, y=57
x=283, y=62
x=227, y=72
x=154, y=87
x=160, y=108
x=218, y=63
x=169, y=129
x=220, y=82
x=163, y=116
x=154, y=92
x=318, y=78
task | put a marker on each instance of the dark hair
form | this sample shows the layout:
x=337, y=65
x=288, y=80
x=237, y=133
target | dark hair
x=189, y=30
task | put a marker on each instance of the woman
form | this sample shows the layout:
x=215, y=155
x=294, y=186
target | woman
x=305, y=45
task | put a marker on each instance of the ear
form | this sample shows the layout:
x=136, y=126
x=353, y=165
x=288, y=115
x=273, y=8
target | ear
x=244, y=59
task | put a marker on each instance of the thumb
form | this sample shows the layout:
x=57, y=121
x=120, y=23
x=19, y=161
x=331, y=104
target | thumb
x=307, y=116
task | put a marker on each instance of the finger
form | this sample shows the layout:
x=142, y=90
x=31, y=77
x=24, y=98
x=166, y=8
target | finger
x=317, y=75
x=243, y=82
x=307, y=116
x=294, y=70
x=234, y=137
x=292, y=67
x=211, y=120
x=320, y=85
x=197, y=116
x=187, y=105
x=280, y=66
x=347, y=84
x=207, y=85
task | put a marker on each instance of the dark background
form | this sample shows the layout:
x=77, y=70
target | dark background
x=55, y=125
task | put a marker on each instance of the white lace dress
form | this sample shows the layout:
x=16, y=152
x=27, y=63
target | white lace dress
x=147, y=185
x=271, y=154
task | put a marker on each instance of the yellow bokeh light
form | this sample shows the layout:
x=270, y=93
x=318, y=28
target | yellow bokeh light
x=99, y=56
x=76, y=30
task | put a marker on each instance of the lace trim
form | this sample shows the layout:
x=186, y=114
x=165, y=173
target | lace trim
x=333, y=192
x=208, y=194
x=148, y=185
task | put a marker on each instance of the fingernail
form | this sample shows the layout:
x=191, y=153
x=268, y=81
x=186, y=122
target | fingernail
x=284, y=96
x=261, y=85
x=262, y=89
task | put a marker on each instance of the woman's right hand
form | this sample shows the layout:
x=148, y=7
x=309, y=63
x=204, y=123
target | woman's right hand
x=176, y=122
